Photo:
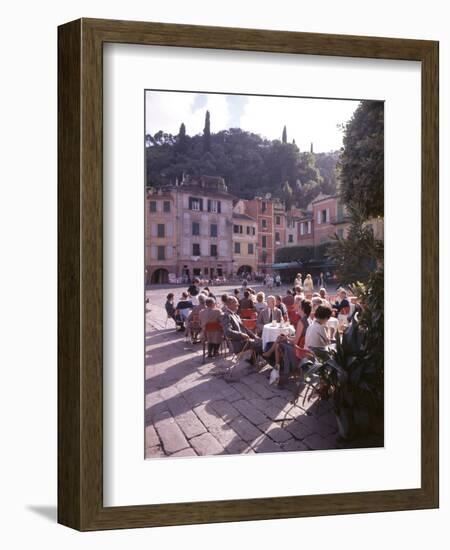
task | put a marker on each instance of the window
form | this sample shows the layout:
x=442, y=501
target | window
x=263, y=206
x=253, y=230
x=213, y=250
x=214, y=206
x=323, y=215
x=251, y=248
x=237, y=228
x=195, y=228
x=166, y=206
x=195, y=204
x=161, y=253
x=248, y=229
x=152, y=206
x=264, y=224
x=278, y=220
x=196, y=249
x=291, y=238
x=213, y=231
x=264, y=241
x=277, y=237
x=302, y=228
x=309, y=227
x=237, y=248
x=161, y=232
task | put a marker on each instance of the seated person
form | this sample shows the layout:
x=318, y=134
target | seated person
x=288, y=300
x=170, y=307
x=316, y=301
x=183, y=308
x=246, y=302
x=234, y=330
x=342, y=302
x=267, y=315
x=223, y=301
x=194, y=289
x=193, y=319
x=317, y=333
x=211, y=314
x=323, y=295
x=208, y=292
x=282, y=307
x=285, y=346
x=260, y=303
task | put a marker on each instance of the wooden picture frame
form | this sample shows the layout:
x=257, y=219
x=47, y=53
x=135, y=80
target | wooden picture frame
x=80, y=272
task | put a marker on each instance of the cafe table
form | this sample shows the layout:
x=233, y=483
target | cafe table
x=271, y=331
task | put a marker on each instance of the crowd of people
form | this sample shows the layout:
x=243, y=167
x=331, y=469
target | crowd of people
x=239, y=318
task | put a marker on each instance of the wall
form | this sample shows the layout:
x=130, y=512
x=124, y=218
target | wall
x=28, y=274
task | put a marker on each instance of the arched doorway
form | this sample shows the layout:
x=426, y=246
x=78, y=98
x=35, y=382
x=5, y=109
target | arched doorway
x=244, y=270
x=160, y=277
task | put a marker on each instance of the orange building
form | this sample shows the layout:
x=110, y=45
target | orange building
x=261, y=209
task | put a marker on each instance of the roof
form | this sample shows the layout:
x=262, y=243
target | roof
x=322, y=197
x=243, y=217
x=202, y=191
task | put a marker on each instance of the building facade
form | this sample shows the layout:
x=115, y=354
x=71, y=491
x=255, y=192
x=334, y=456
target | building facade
x=245, y=240
x=161, y=236
x=279, y=224
x=261, y=209
x=200, y=229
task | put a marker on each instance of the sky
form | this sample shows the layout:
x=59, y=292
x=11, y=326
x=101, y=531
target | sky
x=307, y=120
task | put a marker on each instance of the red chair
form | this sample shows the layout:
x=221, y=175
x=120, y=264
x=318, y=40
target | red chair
x=294, y=316
x=248, y=314
x=213, y=327
x=249, y=324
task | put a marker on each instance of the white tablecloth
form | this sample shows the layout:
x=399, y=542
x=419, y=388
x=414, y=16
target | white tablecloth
x=271, y=333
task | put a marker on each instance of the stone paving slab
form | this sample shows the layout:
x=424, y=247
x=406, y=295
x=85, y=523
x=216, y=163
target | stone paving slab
x=171, y=436
x=275, y=431
x=207, y=444
x=245, y=429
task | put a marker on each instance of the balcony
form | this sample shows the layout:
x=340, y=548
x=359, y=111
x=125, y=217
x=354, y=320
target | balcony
x=340, y=218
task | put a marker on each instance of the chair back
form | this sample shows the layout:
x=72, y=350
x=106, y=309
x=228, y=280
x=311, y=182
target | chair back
x=213, y=326
x=249, y=324
x=248, y=314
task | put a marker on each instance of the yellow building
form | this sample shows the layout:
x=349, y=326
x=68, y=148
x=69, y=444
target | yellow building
x=160, y=237
x=245, y=240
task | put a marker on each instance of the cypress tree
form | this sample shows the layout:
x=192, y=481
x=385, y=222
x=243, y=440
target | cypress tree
x=284, y=136
x=207, y=133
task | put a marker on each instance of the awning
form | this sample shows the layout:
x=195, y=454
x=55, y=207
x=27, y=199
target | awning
x=287, y=265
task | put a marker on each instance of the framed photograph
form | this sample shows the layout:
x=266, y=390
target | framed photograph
x=248, y=274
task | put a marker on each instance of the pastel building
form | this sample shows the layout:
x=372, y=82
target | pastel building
x=245, y=240
x=279, y=223
x=160, y=237
x=197, y=231
x=261, y=209
x=293, y=217
x=205, y=210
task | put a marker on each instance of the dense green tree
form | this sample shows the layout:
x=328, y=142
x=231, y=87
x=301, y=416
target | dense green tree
x=362, y=160
x=250, y=164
